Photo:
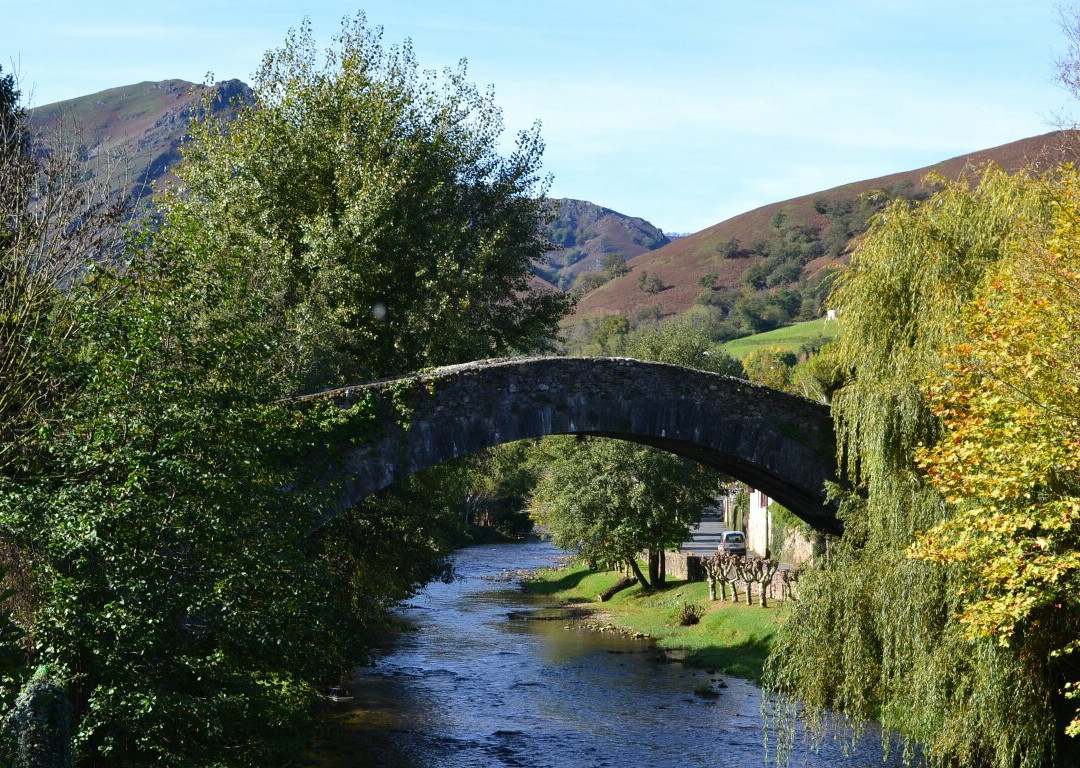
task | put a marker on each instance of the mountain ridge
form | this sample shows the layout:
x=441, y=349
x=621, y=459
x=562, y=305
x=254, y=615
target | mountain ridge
x=142, y=125
x=680, y=265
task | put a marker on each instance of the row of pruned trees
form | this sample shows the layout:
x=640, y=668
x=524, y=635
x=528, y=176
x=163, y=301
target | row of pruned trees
x=728, y=571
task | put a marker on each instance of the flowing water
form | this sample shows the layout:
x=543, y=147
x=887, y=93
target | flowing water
x=475, y=685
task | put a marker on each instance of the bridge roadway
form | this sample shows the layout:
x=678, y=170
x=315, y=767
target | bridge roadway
x=773, y=441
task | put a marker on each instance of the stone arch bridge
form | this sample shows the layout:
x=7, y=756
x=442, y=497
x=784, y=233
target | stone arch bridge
x=776, y=442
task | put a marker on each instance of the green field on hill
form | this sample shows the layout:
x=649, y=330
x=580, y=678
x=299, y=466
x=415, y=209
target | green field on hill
x=790, y=337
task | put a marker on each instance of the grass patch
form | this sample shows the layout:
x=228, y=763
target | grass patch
x=573, y=585
x=789, y=338
x=733, y=639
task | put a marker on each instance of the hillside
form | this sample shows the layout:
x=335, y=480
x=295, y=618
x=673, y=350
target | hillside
x=778, y=247
x=586, y=233
x=142, y=125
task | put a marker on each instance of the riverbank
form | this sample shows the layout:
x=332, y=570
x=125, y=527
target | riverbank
x=733, y=639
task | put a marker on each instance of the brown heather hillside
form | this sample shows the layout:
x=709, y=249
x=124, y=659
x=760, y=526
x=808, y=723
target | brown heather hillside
x=681, y=263
x=142, y=125
x=586, y=233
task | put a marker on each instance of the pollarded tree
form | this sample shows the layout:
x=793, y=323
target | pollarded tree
x=372, y=203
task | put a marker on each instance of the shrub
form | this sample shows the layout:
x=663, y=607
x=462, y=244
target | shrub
x=689, y=614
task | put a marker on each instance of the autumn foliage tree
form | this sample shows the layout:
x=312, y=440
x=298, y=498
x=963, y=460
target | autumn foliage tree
x=1008, y=459
x=876, y=634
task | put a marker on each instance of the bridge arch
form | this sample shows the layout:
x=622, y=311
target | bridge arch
x=776, y=442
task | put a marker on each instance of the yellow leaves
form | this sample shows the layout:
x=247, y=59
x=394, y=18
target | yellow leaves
x=1008, y=458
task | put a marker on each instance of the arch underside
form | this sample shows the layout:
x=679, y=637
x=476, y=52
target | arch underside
x=780, y=444
x=810, y=508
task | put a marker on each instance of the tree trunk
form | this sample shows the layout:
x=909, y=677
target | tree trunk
x=615, y=588
x=749, y=592
x=663, y=568
x=654, y=567
x=637, y=573
x=712, y=588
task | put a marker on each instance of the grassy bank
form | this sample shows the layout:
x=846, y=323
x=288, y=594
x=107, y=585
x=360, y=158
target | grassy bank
x=733, y=639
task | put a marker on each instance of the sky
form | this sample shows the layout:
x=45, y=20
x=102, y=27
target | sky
x=684, y=112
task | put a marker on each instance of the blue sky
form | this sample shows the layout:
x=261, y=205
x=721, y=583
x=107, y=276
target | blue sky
x=682, y=112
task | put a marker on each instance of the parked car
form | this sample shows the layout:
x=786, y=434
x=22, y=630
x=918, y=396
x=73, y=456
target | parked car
x=733, y=543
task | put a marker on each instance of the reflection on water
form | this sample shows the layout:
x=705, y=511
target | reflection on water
x=474, y=687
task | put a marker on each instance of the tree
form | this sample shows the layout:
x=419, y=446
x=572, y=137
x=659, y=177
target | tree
x=52, y=228
x=372, y=201
x=358, y=222
x=610, y=500
x=13, y=131
x=586, y=282
x=819, y=376
x=770, y=367
x=907, y=661
x=650, y=283
x=610, y=334
x=1008, y=458
x=730, y=248
x=614, y=265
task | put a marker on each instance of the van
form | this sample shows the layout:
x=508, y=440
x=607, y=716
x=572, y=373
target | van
x=733, y=543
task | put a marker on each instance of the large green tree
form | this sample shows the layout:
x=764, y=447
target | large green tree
x=372, y=202
x=608, y=500
x=356, y=221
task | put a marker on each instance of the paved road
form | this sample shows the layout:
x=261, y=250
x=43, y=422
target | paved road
x=705, y=536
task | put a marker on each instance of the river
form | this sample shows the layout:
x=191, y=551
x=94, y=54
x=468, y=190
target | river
x=474, y=687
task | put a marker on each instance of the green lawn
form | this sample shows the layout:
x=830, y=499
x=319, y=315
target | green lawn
x=733, y=639
x=791, y=337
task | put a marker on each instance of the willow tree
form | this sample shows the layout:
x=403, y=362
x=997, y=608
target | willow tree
x=875, y=633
